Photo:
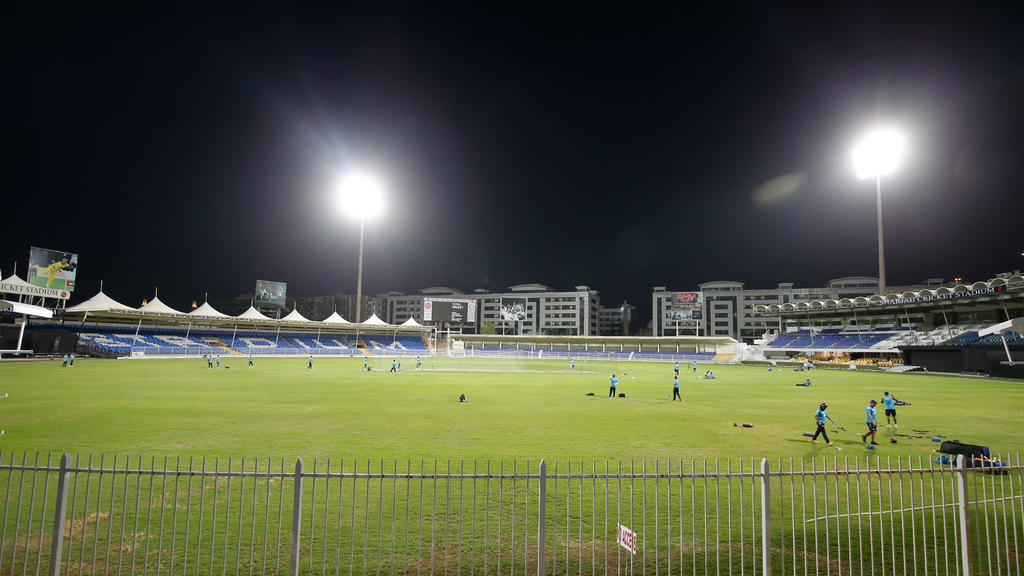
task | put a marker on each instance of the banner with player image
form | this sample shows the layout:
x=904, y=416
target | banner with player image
x=270, y=294
x=513, y=308
x=52, y=269
x=687, y=306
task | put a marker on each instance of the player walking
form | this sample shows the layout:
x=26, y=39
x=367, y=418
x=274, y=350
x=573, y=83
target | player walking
x=310, y=367
x=675, y=389
x=872, y=421
x=65, y=364
x=820, y=416
x=393, y=366
x=250, y=359
x=399, y=363
x=677, y=370
x=572, y=365
x=611, y=391
x=694, y=366
x=890, y=410
x=418, y=362
x=71, y=360
x=218, y=361
x=209, y=362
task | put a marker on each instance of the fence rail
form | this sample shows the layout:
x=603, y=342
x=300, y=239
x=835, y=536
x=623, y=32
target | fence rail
x=127, y=514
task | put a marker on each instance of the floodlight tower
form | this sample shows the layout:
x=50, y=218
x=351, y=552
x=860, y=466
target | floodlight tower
x=361, y=197
x=879, y=153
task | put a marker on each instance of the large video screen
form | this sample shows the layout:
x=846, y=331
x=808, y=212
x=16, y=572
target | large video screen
x=270, y=294
x=449, y=310
x=513, y=308
x=687, y=306
x=52, y=269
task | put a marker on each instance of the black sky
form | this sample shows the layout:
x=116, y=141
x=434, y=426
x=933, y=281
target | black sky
x=196, y=150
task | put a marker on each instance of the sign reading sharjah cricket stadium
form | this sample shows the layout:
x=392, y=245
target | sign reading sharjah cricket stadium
x=26, y=289
x=52, y=269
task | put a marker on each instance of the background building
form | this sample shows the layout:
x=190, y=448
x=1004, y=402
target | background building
x=620, y=321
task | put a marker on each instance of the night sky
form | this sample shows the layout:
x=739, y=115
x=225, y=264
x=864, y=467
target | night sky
x=196, y=150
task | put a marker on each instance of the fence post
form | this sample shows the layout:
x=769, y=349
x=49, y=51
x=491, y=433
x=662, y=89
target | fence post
x=766, y=520
x=961, y=505
x=59, y=515
x=542, y=507
x=296, y=519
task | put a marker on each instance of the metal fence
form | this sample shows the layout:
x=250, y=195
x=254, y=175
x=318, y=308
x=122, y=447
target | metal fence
x=878, y=516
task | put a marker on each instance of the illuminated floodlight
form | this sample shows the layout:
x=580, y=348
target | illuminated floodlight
x=878, y=154
x=361, y=196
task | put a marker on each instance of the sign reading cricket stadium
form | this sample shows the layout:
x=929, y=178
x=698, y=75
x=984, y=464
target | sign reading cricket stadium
x=52, y=269
x=270, y=294
x=449, y=310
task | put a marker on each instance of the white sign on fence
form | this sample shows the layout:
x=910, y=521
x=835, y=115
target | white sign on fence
x=138, y=353
x=626, y=538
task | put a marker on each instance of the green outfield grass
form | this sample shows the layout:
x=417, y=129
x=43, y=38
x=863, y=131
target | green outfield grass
x=280, y=409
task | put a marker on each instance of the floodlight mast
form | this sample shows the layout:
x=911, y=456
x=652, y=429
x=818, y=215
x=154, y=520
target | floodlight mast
x=360, y=197
x=878, y=154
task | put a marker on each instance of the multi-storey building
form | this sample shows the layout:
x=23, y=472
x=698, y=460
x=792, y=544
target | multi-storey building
x=543, y=310
x=617, y=321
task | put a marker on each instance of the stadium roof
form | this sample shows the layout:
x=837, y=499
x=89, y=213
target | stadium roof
x=207, y=311
x=27, y=309
x=100, y=303
x=104, y=307
x=997, y=288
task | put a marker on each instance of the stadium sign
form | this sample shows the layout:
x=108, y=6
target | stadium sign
x=626, y=538
x=938, y=297
x=33, y=290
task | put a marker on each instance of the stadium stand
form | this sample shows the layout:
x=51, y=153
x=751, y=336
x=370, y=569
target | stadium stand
x=394, y=344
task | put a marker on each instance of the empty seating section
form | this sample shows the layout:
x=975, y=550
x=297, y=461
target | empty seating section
x=395, y=344
x=972, y=339
x=831, y=338
x=123, y=340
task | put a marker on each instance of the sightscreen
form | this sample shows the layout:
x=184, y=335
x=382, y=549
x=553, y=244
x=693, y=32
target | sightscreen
x=270, y=294
x=449, y=310
x=52, y=269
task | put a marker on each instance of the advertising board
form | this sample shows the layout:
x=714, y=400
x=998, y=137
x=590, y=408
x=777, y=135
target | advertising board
x=52, y=269
x=270, y=294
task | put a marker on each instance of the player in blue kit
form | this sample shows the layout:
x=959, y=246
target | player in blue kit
x=889, y=401
x=820, y=416
x=611, y=391
x=675, y=389
x=872, y=422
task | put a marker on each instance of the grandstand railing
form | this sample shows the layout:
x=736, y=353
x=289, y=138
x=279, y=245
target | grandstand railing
x=544, y=354
x=133, y=515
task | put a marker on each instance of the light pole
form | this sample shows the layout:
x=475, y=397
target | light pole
x=361, y=197
x=878, y=154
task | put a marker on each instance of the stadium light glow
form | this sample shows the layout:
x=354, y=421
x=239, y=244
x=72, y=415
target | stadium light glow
x=877, y=154
x=361, y=196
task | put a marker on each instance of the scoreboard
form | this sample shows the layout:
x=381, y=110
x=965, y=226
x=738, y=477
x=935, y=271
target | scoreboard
x=449, y=310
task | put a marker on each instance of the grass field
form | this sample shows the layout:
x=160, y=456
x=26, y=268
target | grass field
x=278, y=408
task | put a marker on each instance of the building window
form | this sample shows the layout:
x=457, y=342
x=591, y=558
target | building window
x=721, y=323
x=721, y=306
x=721, y=314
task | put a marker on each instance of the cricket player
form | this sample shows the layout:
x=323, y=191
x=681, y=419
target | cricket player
x=889, y=401
x=872, y=422
x=611, y=391
x=820, y=416
x=675, y=389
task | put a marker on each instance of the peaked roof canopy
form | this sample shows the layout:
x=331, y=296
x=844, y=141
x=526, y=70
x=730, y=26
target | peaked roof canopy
x=207, y=311
x=101, y=303
x=155, y=306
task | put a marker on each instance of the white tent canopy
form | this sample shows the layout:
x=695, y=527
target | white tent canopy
x=251, y=314
x=335, y=319
x=207, y=311
x=101, y=303
x=155, y=306
x=374, y=321
x=412, y=323
x=295, y=317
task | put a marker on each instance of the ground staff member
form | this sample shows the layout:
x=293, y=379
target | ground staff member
x=611, y=391
x=820, y=415
x=872, y=421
